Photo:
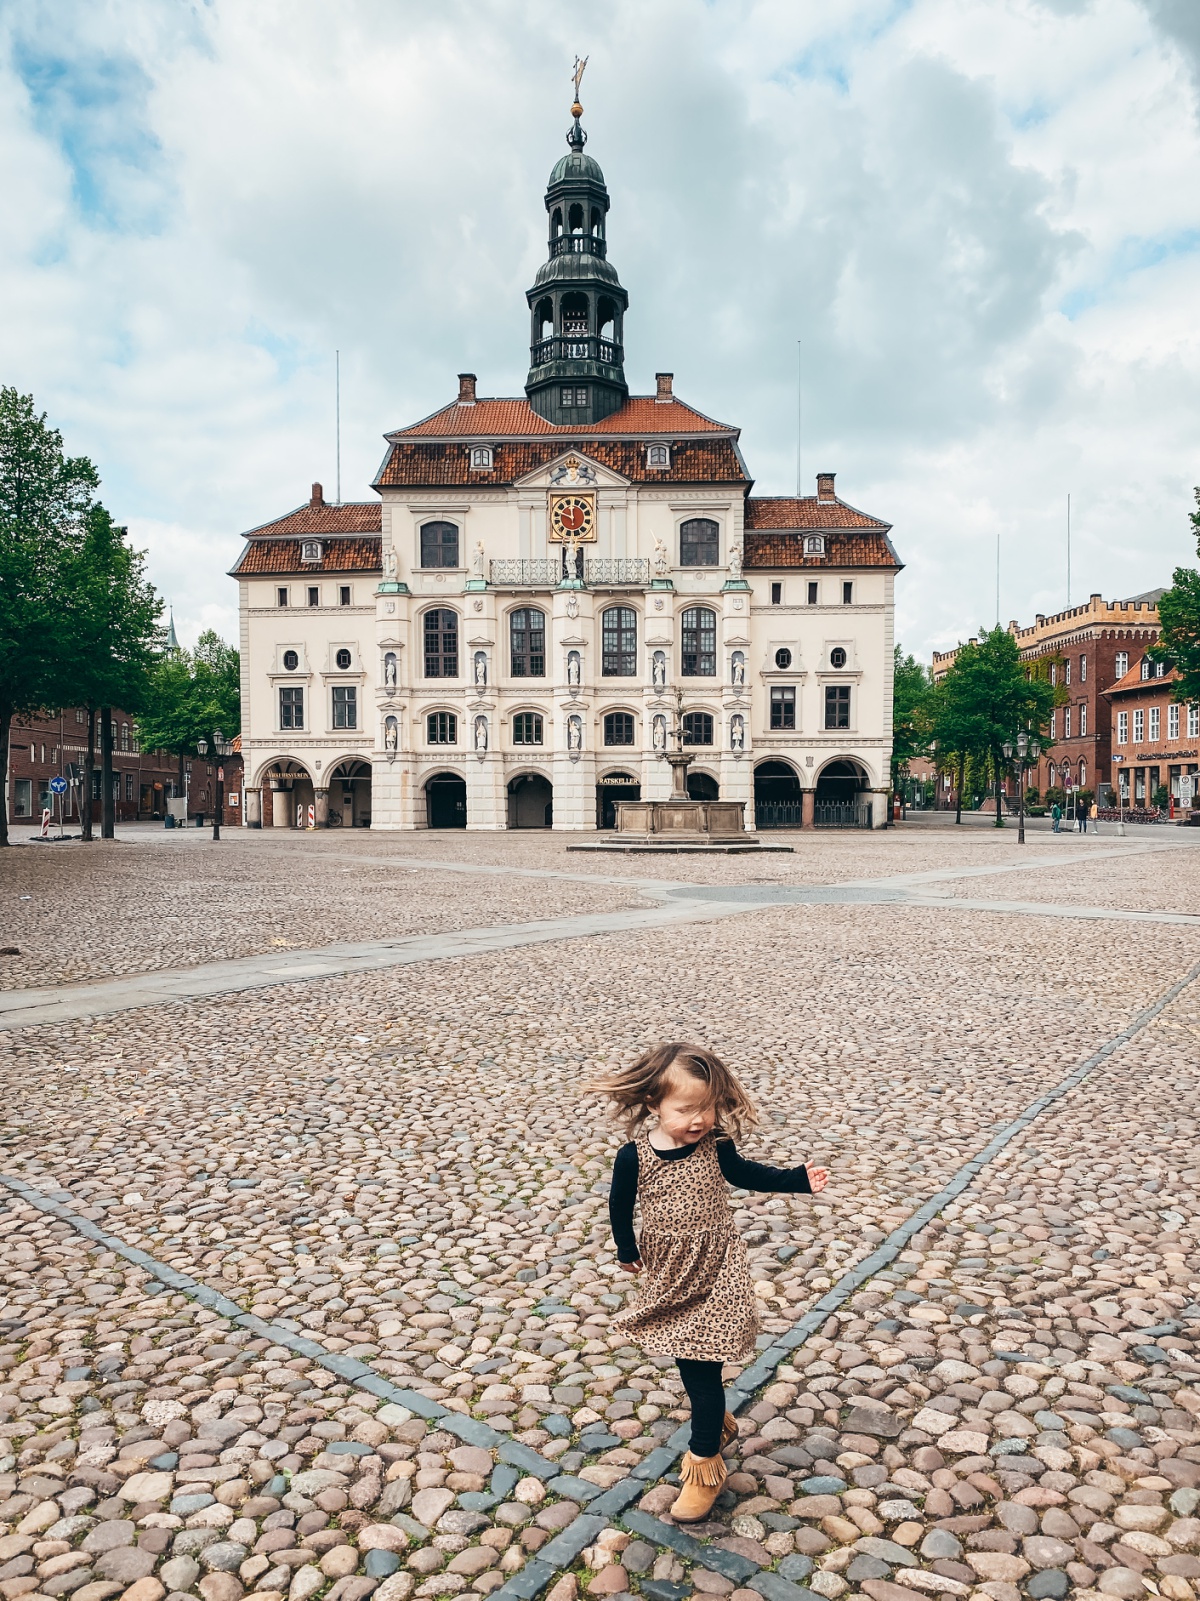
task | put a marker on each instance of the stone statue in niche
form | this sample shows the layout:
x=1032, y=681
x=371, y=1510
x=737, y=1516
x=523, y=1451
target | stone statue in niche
x=389, y=670
x=735, y=561
x=737, y=669
x=477, y=560
x=480, y=668
x=737, y=732
x=658, y=669
x=659, y=734
x=574, y=732
x=660, y=558
x=390, y=567
x=481, y=733
x=391, y=733
x=574, y=668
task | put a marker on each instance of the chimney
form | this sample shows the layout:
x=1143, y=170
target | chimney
x=466, y=388
x=663, y=381
x=318, y=496
x=825, y=486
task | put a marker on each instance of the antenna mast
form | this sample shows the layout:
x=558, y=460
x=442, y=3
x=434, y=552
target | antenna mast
x=337, y=390
x=799, y=417
x=1068, y=551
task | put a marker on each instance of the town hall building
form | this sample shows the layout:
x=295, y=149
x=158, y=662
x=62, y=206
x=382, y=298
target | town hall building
x=508, y=635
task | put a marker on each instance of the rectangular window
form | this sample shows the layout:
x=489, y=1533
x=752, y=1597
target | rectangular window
x=1194, y=720
x=442, y=728
x=344, y=595
x=527, y=728
x=314, y=595
x=1082, y=720
x=527, y=639
x=776, y=594
x=291, y=708
x=697, y=728
x=1139, y=726
x=618, y=728
x=1155, y=723
x=345, y=706
x=783, y=706
x=1173, y=721
x=1083, y=669
x=837, y=706
x=441, y=643
x=699, y=639
x=618, y=642
x=128, y=786
x=1066, y=722
x=812, y=593
x=1054, y=725
x=569, y=395
x=1121, y=663
x=23, y=797
x=281, y=595
x=847, y=594
x=80, y=716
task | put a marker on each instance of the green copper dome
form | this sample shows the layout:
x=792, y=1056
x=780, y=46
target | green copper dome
x=575, y=167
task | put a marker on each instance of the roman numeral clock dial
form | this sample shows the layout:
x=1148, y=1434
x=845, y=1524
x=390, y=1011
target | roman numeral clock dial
x=572, y=517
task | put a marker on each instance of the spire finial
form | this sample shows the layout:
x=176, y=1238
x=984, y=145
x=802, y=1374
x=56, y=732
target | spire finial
x=577, y=138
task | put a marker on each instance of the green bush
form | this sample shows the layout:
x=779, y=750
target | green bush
x=1161, y=797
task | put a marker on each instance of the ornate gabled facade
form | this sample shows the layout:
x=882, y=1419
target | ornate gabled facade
x=501, y=639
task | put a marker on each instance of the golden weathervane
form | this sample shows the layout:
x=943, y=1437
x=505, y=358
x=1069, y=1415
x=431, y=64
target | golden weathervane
x=577, y=79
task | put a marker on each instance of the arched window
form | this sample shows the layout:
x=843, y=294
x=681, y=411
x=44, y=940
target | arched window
x=441, y=643
x=697, y=728
x=618, y=728
x=618, y=642
x=699, y=641
x=527, y=728
x=527, y=642
x=439, y=545
x=698, y=542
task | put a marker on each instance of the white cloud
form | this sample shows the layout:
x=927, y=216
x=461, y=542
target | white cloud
x=981, y=216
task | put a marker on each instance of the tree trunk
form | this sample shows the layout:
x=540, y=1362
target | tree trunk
x=6, y=715
x=999, y=798
x=85, y=788
x=962, y=770
x=183, y=785
x=107, y=809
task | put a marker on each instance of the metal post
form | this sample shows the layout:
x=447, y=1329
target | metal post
x=220, y=801
x=1021, y=806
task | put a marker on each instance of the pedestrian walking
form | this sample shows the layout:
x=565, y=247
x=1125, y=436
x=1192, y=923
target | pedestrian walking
x=695, y=1301
x=1056, y=816
x=1081, y=818
x=1094, y=814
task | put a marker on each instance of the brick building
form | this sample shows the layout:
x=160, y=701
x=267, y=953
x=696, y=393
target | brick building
x=1087, y=649
x=42, y=746
x=1156, y=741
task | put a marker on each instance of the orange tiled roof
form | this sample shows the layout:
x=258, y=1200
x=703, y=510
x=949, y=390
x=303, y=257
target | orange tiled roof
x=418, y=463
x=342, y=554
x=318, y=517
x=841, y=550
x=642, y=416
x=1133, y=682
x=806, y=511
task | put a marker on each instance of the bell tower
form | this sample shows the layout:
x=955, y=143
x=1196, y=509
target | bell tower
x=577, y=305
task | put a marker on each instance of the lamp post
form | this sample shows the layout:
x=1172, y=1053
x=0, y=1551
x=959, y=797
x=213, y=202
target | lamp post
x=1026, y=750
x=221, y=749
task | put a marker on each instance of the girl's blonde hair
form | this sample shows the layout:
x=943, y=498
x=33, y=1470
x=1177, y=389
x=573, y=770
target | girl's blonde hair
x=638, y=1090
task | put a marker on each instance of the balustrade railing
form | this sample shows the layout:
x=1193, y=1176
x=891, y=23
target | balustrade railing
x=575, y=347
x=539, y=572
x=616, y=570
x=578, y=244
x=842, y=814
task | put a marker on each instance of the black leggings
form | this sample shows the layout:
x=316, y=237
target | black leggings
x=706, y=1392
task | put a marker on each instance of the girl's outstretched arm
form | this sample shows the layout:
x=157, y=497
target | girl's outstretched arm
x=746, y=1175
x=621, y=1197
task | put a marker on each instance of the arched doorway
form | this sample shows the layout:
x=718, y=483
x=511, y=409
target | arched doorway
x=610, y=789
x=778, y=801
x=287, y=793
x=350, y=795
x=843, y=797
x=446, y=801
x=530, y=801
x=702, y=786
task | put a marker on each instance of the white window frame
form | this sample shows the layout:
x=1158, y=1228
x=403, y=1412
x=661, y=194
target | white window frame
x=310, y=550
x=1139, y=726
x=1122, y=728
x=1121, y=663
x=1193, y=720
x=1066, y=722
x=814, y=544
x=482, y=458
x=1154, y=730
x=1173, y=720
x=1083, y=720
x=658, y=456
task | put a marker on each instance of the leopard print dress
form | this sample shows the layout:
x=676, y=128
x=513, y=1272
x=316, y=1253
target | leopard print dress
x=694, y=1298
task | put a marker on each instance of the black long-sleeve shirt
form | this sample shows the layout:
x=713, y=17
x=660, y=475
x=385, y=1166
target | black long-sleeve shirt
x=742, y=1174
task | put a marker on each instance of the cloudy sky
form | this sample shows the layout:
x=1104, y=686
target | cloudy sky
x=981, y=217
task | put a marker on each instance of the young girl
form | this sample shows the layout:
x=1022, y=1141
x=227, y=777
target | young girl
x=696, y=1299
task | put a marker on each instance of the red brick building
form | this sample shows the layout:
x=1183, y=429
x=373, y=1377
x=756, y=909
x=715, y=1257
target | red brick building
x=43, y=746
x=1156, y=739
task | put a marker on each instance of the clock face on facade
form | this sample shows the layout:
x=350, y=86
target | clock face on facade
x=572, y=517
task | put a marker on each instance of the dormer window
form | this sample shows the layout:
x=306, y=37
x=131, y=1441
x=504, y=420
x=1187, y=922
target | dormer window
x=814, y=544
x=481, y=458
x=658, y=455
x=310, y=550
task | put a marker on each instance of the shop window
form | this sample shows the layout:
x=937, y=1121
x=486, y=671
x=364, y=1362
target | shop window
x=23, y=797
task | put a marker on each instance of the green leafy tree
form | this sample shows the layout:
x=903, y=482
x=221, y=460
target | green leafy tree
x=910, y=724
x=1179, y=613
x=192, y=695
x=45, y=499
x=954, y=730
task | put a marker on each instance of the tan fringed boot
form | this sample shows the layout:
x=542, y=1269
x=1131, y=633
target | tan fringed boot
x=729, y=1430
x=702, y=1479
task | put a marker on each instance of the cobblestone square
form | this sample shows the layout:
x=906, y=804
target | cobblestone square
x=307, y=1277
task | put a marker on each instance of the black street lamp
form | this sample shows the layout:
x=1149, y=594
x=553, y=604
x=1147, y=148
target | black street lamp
x=221, y=749
x=1027, y=750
